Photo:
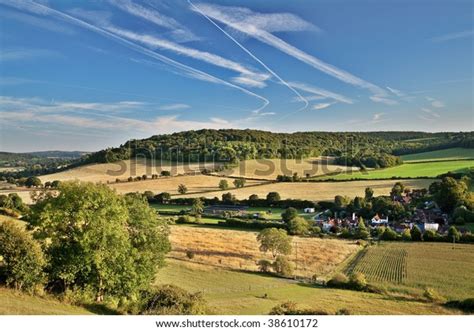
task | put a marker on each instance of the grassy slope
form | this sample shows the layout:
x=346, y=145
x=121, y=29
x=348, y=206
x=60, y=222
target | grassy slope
x=16, y=303
x=408, y=170
x=440, y=155
x=230, y=292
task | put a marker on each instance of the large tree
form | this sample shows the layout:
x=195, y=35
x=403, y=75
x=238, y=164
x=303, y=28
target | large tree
x=100, y=241
x=275, y=241
x=449, y=193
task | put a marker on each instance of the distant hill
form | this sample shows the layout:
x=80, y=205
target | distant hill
x=229, y=145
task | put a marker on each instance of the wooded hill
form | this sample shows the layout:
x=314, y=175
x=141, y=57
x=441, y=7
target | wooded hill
x=230, y=145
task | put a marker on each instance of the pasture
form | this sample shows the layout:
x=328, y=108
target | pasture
x=413, y=266
x=104, y=172
x=317, y=191
x=17, y=303
x=269, y=169
x=448, y=154
x=239, y=250
x=407, y=170
x=244, y=293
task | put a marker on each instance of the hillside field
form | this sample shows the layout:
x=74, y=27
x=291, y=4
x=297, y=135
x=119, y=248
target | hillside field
x=407, y=170
x=317, y=191
x=238, y=250
x=242, y=293
x=270, y=168
x=413, y=266
x=103, y=172
x=440, y=155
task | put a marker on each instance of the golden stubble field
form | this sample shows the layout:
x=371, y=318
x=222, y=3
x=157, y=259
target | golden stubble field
x=239, y=250
x=271, y=168
x=318, y=190
x=104, y=172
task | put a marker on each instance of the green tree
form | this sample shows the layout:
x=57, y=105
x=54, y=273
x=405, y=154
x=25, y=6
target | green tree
x=21, y=258
x=453, y=234
x=369, y=193
x=33, y=182
x=239, y=182
x=389, y=234
x=172, y=300
x=406, y=235
x=197, y=208
x=289, y=214
x=415, y=233
x=100, y=241
x=223, y=184
x=163, y=197
x=182, y=189
x=228, y=198
x=275, y=241
x=361, y=231
x=298, y=226
x=397, y=189
x=449, y=193
x=283, y=266
x=273, y=197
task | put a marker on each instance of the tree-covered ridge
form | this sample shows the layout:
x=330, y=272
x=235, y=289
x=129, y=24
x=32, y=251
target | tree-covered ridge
x=228, y=145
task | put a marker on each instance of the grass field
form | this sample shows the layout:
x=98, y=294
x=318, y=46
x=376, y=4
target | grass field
x=104, y=172
x=271, y=168
x=414, y=266
x=317, y=190
x=408, y=170
x=16, y=303
x=440, y=155
x=238, y=250
x=229, y=292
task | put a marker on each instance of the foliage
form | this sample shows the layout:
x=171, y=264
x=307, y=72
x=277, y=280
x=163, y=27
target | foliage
x=291, y=308
x=223, y=184
x=453, y=234
x=264, y=265
x=466, y=305
x=172, y=300
x=389, y=234
x=415, y=233
x=21, y=258
x=449, y=193
x=33, y=182
x=289, y=214
x=273, y=197
x=283, y=266
x=182, y=189
x=338, y=281
x=298, y=226
x=432, y=295
x=197, y=208
x=239, y=183
x=361, y=231
x=276, y=241
x=100, y=241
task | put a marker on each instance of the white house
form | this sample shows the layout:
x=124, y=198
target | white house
x=377, y=220
x=309, y=210
x=430, y=226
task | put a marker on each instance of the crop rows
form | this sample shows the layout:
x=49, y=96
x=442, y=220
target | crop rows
x=382, y=264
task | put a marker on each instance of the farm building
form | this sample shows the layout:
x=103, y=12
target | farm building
x=225, y=209
x=309, y=210
x=429, y=226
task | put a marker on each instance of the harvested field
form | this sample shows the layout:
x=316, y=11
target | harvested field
x=271, y=168
x=319, y=190
x=239, y=250
x=104, y=172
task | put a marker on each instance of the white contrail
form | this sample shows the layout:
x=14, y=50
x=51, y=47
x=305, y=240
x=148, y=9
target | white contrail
x=252, y=55
x=193, y=72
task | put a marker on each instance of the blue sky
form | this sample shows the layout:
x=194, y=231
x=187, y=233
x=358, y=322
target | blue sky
x=84, y=75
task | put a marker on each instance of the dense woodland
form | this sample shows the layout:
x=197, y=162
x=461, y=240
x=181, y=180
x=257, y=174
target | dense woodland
x=229, y=145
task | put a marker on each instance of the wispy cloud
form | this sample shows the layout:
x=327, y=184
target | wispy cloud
x=244, y=20
x=435, y=103
x=320, y=92
x=175, y=106
x=398, y=93
x=185, y=69
x=383, y=100
x=430, y=112
x=377, y=118
x=320, y=106
x=37, y=22
x=178, y=31
x=27, y=54
x=248, y=77
x=453, y=36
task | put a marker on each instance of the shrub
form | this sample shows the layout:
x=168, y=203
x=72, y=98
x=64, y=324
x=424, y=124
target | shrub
x=21, y=258
x=389, y=234
x=291, y=308
x=431, y=235
x=343, y=311
x=172, y=300
x=9, y=212
x=432, y=295
x=357, y=281
x=289, y=214
x=406, y=235
x=338, y=281
x=345, y=233
x=190, y=254
x=416, y=233
x=264, y=265
x=283, y=266
x=453, y=234
x=183, y=219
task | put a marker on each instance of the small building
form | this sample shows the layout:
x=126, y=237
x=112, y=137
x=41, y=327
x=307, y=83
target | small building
x=429, y=226
x=377, y=220
x=309, y=210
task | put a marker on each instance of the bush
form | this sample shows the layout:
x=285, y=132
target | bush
x=21, y=258
x=432, y=295
x=416, y=233
x=172, y=300
x=183, y=219
x=406, y=235
x=264, y=265
x=289, y=214
x=357, y=281
x=9, y=212
x=389, y=234
x=338, y=281
x=291, y=308
x=283, y=266
x=190, y=254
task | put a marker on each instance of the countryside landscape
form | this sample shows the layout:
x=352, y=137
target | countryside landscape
x=135, y=180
